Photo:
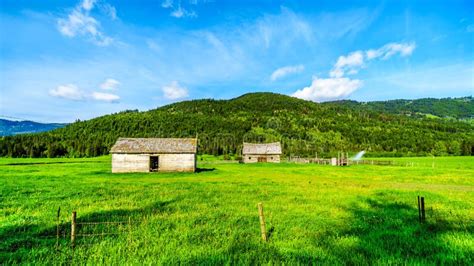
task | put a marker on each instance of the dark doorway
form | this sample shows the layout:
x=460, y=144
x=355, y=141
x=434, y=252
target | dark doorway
x=262, y=159
x=154, y=163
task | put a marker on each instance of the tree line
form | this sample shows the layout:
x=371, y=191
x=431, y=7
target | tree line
x=304, y=129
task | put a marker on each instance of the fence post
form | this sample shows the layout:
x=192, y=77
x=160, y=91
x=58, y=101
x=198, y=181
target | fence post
x=129, y=229
x=423, y=217
x=419, y=209
x=262, y=222
x=73, y=228
x=57, y=228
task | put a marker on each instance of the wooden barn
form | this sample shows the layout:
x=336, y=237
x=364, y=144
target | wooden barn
x=261, y=153
x=154, y=155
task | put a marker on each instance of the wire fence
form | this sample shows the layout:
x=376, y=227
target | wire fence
x=73, y=232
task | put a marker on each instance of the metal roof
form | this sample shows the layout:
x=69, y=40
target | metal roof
x=155, y=145
x=262, y=148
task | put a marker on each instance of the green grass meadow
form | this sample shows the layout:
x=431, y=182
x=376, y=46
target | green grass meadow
x=315, y=214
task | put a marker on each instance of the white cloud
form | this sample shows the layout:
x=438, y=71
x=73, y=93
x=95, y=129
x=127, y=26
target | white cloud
x=338, y=86
x=167, y=4
x=350, y=63
x=177, y=10
x=174, y=91
x=353, y=62
x=109, y=10
x=88, y=4
x=80, y=23
x=180, y=12
x=287, y=70
x=388, y=50
x=328, y=89
x=110, y=84
x=282, y=30
x=72, y=92
x=104, y=97
x=68, y=91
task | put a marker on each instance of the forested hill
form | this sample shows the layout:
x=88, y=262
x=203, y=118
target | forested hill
x=303, y=127
x=458, y=108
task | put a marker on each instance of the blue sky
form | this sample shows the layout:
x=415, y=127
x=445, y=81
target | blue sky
x=67, y=60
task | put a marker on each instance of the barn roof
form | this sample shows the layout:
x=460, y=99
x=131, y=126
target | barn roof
x=155, y=145
x=262, y=148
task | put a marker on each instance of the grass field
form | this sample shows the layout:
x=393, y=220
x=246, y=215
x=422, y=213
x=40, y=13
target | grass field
x=360, y=214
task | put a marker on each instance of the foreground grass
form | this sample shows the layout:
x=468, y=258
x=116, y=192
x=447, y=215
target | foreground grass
x=360, y=214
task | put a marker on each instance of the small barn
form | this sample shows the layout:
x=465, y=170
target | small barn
x=154, y=155
x=261, y=152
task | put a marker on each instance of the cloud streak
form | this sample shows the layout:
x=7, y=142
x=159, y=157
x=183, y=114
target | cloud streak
x=177, y=10
x=104, y=97
x=79, y=22
x=285, y=71
x=110, y=84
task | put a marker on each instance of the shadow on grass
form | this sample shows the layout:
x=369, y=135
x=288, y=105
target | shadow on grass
x=23, y=237
x=388, y=232
x=202, y=170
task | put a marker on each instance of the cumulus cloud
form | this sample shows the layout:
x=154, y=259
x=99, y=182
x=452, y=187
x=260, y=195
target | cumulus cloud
x=174, y=91
x=337, y=86
x=110, y=84
x=287, y=70
x=72, y=92
x=322, y=89
x=68, y=91
x=104, y=97
x=353, y=62
x=350, y=63
x=79, y=22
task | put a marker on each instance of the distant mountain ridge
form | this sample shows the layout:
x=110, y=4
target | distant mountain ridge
x=10, y=127
x=304, y=128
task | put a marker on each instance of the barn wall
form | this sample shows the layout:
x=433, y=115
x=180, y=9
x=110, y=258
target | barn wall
x=253, y=158
x=123, y=163
x=177, y=162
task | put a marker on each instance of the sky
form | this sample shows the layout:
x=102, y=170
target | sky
x=67, y=60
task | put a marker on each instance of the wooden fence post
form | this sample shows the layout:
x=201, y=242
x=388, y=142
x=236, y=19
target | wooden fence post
x=423, y=217
x=262, y=222
x=129, y=229
x=57, y=228
x=419, y=209
x=73, y=228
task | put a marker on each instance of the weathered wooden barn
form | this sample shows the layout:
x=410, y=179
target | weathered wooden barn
x=261, y=152
x=154, y=155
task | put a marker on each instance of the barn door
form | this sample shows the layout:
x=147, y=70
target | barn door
x=153, y=163
x=262, y=159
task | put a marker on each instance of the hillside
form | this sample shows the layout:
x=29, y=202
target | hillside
x=304, y=128
x=458, y=108
x=9, y=127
